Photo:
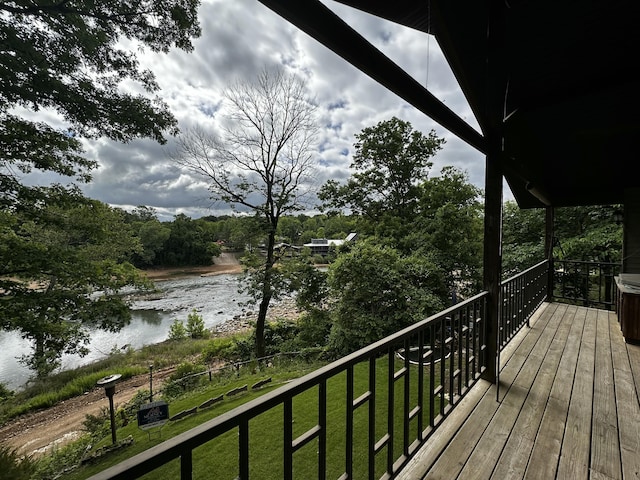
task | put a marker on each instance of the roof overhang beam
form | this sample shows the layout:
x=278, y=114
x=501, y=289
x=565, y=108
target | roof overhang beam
x=318, y=21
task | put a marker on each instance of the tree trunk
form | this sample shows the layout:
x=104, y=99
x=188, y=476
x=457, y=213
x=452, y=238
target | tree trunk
x=267, y=293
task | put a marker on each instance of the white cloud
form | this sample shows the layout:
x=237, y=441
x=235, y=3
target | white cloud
x=239, y=39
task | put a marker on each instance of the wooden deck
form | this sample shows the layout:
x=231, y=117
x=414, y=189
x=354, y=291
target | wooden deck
x=568, y=407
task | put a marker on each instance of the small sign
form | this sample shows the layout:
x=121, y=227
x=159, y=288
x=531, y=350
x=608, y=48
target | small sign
x=153, y=414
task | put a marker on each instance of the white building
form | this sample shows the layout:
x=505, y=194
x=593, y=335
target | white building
x=321, y=246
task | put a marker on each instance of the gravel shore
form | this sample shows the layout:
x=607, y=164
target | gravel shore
x=282, y=309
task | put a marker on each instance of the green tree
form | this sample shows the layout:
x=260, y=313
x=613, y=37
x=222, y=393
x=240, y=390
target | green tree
x=290, y=229
x=449, y=228
x=311, y=290
x=59, y=249
x=63, y=276
x=376, y=291
x=390, y=162
x=152, y=234
x=261, y=164
x=65, y=57
x=588, y=233
x=522, y=238
x=190, y=242
x=177, y=330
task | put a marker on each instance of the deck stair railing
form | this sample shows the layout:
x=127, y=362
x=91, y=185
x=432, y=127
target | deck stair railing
x=412, y=381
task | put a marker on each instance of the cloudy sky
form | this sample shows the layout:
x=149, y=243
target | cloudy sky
x=239, y=39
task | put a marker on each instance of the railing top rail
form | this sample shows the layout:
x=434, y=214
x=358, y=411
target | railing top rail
x=174, y=447
x=528, y=270
x=588, y=262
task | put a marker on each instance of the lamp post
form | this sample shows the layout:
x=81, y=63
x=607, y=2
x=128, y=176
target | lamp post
x=109, y=384
x=151, y=382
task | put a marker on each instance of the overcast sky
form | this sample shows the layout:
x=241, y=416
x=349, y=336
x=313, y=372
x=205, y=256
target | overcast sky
x=239, y=39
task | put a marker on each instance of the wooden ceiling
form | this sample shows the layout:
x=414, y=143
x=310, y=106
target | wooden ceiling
x=552, y=84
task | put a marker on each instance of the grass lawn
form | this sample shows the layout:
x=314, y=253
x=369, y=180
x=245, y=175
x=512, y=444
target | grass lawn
x=219, y=457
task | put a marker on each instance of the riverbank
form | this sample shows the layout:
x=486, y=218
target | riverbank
x=160, y=274
x=38, y=432
x=282, y=309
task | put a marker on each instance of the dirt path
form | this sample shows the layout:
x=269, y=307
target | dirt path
x=38, y=432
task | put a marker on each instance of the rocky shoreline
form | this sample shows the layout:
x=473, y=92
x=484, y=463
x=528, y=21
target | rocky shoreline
x=282, y=309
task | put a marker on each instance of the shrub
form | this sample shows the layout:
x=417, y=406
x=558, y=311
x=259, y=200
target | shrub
x=63, y=459
x=280, y=336
x=15, y=466
x=195, y=325
x=314, y=327
x=184, y=378
x=222, y=348
x=177, y=331
x=5, y=392
x=140, y=398
x=97, y=426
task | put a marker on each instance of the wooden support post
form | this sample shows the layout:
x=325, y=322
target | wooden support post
x=492, y=260
x=497, y=85
x=548, y=247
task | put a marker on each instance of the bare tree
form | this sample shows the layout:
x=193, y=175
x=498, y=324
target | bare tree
x=262, y=161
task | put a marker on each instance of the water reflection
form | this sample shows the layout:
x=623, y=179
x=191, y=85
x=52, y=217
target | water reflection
x=150, y=317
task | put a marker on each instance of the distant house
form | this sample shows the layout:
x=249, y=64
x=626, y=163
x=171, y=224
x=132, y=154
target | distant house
x=321, y=246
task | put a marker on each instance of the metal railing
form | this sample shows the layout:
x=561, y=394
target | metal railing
x=414, y=378
x=521, y=295
x=589, y=284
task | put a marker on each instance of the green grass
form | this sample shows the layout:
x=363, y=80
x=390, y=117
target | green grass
x=22, y=403
x=219, y=457
x=46, y=392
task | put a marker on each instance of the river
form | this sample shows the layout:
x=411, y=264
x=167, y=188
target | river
x=216, y=299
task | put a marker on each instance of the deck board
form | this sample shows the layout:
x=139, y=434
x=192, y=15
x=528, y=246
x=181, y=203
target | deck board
x=543, y=462
x=574, y=457
x=517, y=451
x=568, y=407
x=482, y=462
x=450, y=465
x=605, y=449
x=628, y=409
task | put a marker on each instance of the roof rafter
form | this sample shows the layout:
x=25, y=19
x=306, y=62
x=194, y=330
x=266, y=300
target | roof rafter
x=339, y=37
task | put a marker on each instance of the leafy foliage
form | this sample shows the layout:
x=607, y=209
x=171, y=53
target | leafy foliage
x=378, y=291
x=58, y=249
x=390, y=162
x=5, y=392
x=588, y=233
x=522, y=238
x=177, y=330
x=195, y=325
x=448, y=229
x=581, y=233
x=64, y=57
x=63, y=274
x=15, y=466
x=184, y=378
